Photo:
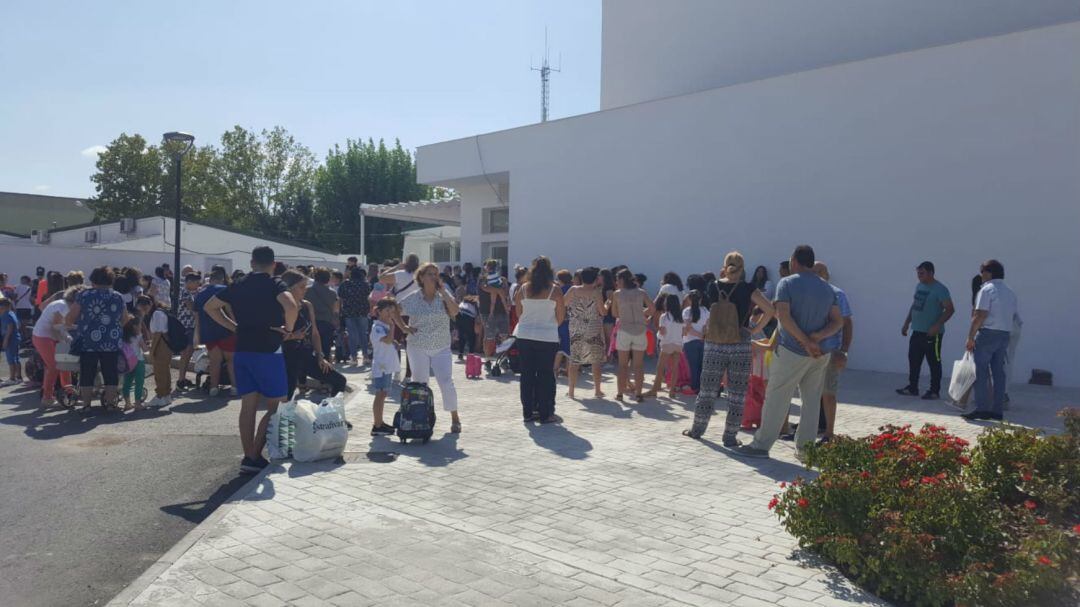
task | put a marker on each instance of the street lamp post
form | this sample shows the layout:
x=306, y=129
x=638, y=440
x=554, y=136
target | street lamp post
x=183, y=142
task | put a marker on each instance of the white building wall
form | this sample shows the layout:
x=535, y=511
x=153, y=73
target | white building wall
x=660, y=48
x=474, y=199
x=953, y=154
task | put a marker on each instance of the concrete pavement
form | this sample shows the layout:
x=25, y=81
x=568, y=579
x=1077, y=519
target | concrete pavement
x=614, y=507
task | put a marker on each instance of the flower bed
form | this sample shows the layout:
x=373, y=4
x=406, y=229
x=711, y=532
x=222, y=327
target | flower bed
x=924, y=518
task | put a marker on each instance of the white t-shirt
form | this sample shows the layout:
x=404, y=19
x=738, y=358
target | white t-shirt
x=698, y=326
x=23, y=300
x=401, y=279
x=999, y=301
x=44, y=325
x=384, y=357
x=159, y=322
x=672, y=290
x=670, y=331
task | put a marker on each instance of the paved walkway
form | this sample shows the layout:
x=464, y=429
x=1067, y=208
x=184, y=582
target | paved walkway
x=614, y=507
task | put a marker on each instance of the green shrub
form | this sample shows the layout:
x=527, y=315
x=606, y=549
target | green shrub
x=926, y=519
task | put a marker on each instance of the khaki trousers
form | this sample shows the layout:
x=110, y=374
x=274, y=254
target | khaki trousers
x=161, y=357
x=788, y=371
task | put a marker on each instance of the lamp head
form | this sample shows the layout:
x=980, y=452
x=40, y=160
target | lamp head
x=186, y=140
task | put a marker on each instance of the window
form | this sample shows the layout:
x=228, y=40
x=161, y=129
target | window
x=497, y=220
x=497, y=250
x=444, y=252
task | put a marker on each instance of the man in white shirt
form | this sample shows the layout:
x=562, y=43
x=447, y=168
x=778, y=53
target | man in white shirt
x=988, y=339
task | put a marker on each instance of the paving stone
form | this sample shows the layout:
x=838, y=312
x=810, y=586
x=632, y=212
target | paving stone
x=613, y=507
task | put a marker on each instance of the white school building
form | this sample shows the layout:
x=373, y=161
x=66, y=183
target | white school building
x=881, y=132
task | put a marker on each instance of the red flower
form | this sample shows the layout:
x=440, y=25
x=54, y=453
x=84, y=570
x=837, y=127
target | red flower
x=864, y=474
x=1040, y=520
x=1026, y=476
x=1045, y=561
x=964, y=460
x=904, y=484
x=1076, y=529
x=773, y=502
x=803, y=502
x=928, y=480
x=1030, y=505
x=783, y=484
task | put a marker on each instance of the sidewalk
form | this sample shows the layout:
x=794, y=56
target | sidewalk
x=614, y=507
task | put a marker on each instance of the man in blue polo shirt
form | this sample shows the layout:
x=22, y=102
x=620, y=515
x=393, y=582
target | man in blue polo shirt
x=264, y=313
x=809, y=314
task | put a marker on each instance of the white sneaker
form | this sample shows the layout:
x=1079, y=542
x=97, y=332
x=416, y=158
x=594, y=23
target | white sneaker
x=7, y=382
x=215, y=391
x=159, y=402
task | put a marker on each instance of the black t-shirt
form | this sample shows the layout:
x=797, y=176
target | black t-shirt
x=738, y=293
x=254, y=303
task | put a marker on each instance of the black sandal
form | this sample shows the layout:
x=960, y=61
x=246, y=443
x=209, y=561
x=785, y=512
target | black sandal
x=690, y=434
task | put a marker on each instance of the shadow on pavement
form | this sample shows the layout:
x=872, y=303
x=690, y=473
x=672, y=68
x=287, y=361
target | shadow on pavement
x=600, y=406
x=206, y=404
x=656, y=409
x=559, y=440
x=773, y=468
x=197, y=511
x=57, y=423
x=437, y=453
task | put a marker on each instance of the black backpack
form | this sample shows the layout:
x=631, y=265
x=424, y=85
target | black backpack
x=176, y=338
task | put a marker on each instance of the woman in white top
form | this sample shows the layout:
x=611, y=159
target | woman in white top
x=49, y=330
x=430, y=310
x=540, y=311
x=696, y=317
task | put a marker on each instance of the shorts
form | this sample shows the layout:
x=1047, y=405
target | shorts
x=626, y=342
x=12, y=353
x=670, y=348
x=261, y=372
x=225, y=345
x=382, y=383
x=495, y=325
x=832, y=378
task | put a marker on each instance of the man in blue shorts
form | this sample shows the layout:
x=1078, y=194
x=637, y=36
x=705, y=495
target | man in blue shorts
x=265, y=312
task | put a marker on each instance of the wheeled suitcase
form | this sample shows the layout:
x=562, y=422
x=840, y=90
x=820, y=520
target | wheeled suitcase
x=474, y=367
x=416, y=416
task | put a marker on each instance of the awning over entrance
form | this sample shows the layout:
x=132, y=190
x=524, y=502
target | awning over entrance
x=443, y=211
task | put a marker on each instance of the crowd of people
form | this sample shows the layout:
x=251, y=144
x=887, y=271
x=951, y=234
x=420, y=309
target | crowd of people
x=275, y=330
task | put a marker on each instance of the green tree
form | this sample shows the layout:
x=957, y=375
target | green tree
x=128, y=179
x=365, y=173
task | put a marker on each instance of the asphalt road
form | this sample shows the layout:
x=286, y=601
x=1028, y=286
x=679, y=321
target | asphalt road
x=88, y=502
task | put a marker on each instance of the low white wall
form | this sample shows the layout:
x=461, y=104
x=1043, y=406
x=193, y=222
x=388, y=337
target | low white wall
x=954, y=154
x=22, y=259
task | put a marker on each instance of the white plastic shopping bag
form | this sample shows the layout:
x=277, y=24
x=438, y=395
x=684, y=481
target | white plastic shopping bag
x=321, y=432
x=281, y=431
x=200, y=361
x=963, y=377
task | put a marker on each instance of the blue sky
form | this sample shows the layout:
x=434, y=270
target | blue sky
x=75, y=74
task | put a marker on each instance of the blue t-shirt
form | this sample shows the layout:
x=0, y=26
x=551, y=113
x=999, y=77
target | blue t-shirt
x=810, y=299
x=209, y=329
x=101, y=312
x=9, y=319
x=837, y=339
x=928, y=306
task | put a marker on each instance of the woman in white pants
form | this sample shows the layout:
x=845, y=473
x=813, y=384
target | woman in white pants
x=430, y=310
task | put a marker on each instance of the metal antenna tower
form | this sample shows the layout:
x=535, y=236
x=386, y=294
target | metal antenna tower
x=545, y=70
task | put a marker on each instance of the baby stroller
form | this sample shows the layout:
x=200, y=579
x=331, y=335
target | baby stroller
x=506, y=358
x=66, y=361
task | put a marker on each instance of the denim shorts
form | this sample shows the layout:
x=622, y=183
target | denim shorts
x=382, y=383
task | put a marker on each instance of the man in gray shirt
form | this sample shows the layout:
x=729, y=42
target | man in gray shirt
x=809, y=313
